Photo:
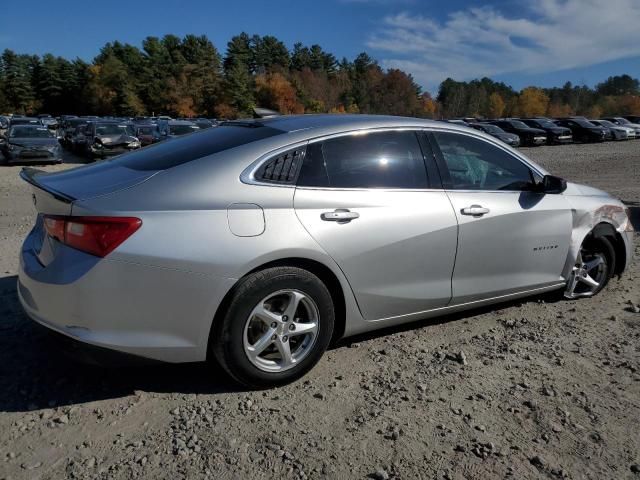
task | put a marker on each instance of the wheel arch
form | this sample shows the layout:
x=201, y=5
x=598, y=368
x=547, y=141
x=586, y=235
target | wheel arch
x=607, y=230
x=323, y=272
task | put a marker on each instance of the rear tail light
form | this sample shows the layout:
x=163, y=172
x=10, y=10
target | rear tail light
x=95, y=235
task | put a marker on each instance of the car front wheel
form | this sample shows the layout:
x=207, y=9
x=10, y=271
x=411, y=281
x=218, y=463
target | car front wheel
x=593, y=268
x=278, y=325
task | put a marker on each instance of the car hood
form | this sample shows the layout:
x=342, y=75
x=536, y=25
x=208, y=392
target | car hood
x=561, y=130
x=579, y=189
x=33, y=142
x=116, y=139
x=534, y=131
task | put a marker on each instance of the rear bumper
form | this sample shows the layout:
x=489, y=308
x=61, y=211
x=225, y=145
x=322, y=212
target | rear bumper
x=91, y=354
x=145, y=311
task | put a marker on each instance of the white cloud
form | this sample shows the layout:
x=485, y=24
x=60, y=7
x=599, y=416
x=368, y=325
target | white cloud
x=551, y=35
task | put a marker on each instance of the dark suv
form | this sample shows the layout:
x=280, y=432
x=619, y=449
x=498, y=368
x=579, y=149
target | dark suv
x=529, y=137
x=555, y=135
x=583, y=130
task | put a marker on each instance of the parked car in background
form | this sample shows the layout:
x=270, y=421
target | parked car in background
x=556, y=135
x=529, y=137
x=203, y=123
x=225, y=245
x=510, y=139
x=78, y=139
x=583, y=130
x=24, y=121
x=623, y=122
x=50, y=122
x=105, y=138
x=617, y=132
x=148, y=133
x=30, y=143
x=68, y=129
x=633, y=118
x=177, y=128
x=4, y=124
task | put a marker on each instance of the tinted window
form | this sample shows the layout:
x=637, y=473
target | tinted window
x=374, y=160
x=474, y=164
x=164, y=155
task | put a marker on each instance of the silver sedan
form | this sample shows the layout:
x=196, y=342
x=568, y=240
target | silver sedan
x=259, y=242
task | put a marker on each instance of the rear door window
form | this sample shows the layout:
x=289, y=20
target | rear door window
x=391, y=159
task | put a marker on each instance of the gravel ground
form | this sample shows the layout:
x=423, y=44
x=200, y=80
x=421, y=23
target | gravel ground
x=523, y=390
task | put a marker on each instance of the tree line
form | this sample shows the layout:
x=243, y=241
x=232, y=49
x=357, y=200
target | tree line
x=189, y=77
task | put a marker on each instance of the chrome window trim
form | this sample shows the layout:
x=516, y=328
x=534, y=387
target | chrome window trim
x=248, y=174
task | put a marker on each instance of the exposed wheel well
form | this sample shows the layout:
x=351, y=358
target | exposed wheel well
x=321, y=271
x=606, y=230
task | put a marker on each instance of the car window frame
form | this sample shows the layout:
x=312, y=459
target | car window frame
x=432, y=172
x=447, y=183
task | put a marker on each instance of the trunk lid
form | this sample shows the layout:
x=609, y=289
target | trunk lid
x=84, y=182
x=54, y=194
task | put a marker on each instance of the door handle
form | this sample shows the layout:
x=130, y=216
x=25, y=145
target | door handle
x=340, y=215
x=475, y=211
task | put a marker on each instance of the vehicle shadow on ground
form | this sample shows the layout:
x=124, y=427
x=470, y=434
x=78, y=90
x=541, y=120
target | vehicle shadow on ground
x=36, y=374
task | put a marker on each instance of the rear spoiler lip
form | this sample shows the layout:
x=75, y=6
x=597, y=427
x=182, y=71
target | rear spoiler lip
x=28, y=174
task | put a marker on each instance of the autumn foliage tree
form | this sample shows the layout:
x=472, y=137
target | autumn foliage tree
x=188, y=76
x=533, y=102
x=496, y=105
x=274, y=91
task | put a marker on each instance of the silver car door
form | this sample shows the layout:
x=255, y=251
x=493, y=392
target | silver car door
x=510, y=238
x=366, y=200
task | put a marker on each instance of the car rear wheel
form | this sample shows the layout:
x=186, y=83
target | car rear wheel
x=593, y=268
x=278, y=325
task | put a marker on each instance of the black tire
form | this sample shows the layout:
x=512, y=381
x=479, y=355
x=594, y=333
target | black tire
x=593, y=246
x=226, y=340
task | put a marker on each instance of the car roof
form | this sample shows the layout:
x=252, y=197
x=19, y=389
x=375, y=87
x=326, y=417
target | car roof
x=336, y=122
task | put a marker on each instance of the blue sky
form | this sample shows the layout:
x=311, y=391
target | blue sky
x=539, y=42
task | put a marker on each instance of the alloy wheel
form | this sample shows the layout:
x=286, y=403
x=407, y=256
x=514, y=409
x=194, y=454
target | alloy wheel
x=588, y=275
x=281, y=330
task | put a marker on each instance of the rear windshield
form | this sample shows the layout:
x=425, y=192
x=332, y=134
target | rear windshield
x=171, y=153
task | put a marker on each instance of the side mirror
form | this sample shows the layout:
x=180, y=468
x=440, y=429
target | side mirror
x=552, y=184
